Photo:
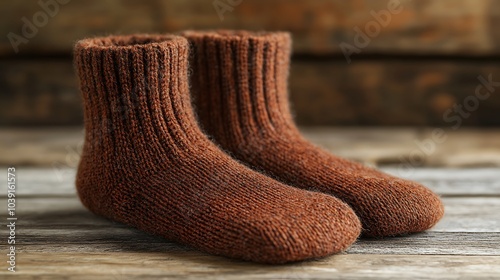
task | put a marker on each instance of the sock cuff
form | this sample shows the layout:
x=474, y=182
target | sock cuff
x=244, y=71
x=239, y=35
x=130, y=61
x=132, y=43
x=134, y=80
x=257, y=41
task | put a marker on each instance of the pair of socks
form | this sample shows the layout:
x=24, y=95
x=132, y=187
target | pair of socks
x=246, y=184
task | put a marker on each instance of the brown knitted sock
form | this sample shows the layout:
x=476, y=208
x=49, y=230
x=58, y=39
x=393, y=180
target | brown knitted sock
x=146, y=163
x=240, y=90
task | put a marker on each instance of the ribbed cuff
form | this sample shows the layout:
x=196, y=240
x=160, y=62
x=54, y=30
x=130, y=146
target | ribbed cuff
x=135, y=80
x=256, y=40
x=240, y=79
x=116, y=58
x=233, y=35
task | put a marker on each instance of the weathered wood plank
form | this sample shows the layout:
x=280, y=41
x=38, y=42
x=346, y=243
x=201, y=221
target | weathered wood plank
x=44, y=182
x=59, y=149
x=433, y=243
x=59, y=180
x=36, y=91
x=449, y=181
x=50, y=147
x=466, y=214
x=471, y=226
x=392, y=92
x=436, y=27
x=323, y=92
x=138, y=265
x=462, y=148
x=57, y=238
x=474, y=214
x=120, y=239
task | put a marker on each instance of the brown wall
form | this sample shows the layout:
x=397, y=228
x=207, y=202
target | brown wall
x=410, y=71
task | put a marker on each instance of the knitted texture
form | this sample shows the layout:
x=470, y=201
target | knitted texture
x=240, y=91
x=147, y=164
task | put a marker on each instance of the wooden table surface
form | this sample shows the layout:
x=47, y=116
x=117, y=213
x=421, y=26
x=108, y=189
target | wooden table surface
x=58, y=238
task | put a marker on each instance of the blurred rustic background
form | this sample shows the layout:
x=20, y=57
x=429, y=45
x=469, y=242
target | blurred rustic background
x=426, y=59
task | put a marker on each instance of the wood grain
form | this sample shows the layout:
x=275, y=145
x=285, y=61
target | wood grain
x=58, y=238
x=471, y=226
x=392, y=92
x=118, y=239
x=463, y=214
x=448, y=182
x=185, y=265
x=455, y=182
x=35, y=91
x=324, y=91
x=465, y=27
x=59, y=149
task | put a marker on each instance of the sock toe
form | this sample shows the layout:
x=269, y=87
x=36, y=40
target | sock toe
x=323, y=226
x=393, y=206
